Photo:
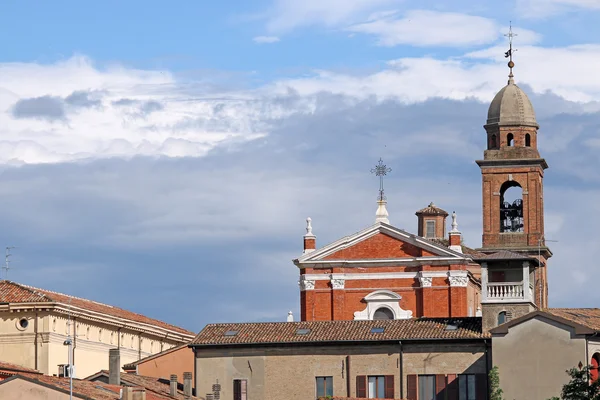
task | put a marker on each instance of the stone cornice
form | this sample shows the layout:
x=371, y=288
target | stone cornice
x=83, y=315
x=512, y=162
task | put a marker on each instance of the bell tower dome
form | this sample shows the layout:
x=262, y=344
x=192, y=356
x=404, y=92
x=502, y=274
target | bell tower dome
x=512, y=182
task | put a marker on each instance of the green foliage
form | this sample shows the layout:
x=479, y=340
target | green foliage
x=579, y=387
x=495, y=392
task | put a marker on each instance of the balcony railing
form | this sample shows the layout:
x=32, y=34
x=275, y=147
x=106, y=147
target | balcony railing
x=505, y=291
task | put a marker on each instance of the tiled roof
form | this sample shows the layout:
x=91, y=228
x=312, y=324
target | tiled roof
x=14, y=368
x=504, y=255
x=158, y=386
x=589, y=317
x=339, y=331
x=131, y=366
x=81, y=389
x=431, y=209
x=465, y=249
x=13, y=292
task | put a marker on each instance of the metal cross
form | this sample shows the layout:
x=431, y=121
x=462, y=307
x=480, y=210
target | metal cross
x=510, y=35
x=381, y=170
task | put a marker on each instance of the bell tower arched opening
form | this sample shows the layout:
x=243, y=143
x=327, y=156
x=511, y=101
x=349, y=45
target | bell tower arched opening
x=510, y=140
x=511, y=207
x=493, y=142
x=527, y=140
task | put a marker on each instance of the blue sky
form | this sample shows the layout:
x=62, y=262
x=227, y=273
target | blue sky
x=163, y=158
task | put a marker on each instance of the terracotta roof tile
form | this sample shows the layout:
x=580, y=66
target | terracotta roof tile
x=157, y=386
x=465, y=249
x=339, y=331
x=589, y=317
x=81, y=388
x=431, y=209
x=14, y=368
x=13, y=292
x=505, y=255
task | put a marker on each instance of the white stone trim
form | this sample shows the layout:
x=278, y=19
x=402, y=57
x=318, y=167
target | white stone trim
x=385, y=275
x=426, y=281
x=306, y=284
x=337, y=281
x=458, y=279
x=382, y=298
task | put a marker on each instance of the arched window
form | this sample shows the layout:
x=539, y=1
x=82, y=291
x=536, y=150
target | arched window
x=511, y=207
x=528, y=140
x=493, y=143
x=383, y=313
x=501, y=317
x=594, y=364
x=510, y=140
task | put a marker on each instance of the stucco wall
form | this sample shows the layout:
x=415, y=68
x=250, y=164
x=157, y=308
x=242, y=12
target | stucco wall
x=20, y=389
x=175, y=362
x=290, y=373
x=533, y=356
x=92, y=343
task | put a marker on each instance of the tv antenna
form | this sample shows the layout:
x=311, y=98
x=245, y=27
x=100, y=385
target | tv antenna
x=6, y=266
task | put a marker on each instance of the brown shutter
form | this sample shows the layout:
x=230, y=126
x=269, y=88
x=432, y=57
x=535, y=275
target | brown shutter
x=481, y=386
x=452, y=387
x=440, y=387
x=361, y=386
x=389, y=387
x=237, y=389
x=411, y=387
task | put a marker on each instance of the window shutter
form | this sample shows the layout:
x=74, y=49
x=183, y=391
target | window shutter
x=411, y=387
x=440, y=387
x=481, y=386
x=361, y=386
x=389, y=387
x=237, y=390
x=452, y=387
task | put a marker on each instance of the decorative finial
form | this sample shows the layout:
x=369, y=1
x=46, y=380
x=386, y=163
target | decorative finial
x=510, y=35
x=290, y=317
x=309, y=232
x=454, y=223
x=381, y=170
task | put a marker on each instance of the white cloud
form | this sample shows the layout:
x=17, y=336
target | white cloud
x=287, y=15
x=266, y=39
x=545, y=8
x=429, y=28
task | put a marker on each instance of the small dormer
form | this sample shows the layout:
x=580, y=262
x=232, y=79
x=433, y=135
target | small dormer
x=432, y=222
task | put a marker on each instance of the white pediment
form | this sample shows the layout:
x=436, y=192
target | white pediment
x=382, y=299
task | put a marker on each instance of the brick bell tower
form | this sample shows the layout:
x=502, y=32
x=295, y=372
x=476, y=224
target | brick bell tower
x=512, y=183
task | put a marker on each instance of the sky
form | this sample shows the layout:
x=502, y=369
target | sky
x=164, y=157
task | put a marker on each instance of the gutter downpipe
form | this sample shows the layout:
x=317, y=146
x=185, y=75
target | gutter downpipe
x=35, y=332
x=401, y=371
x=348, y=381
x=487, y=368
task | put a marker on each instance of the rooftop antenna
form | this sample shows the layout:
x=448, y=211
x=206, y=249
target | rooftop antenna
x=6, y=266
x=509, y=54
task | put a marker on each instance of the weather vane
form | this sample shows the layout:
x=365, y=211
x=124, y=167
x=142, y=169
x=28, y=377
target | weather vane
x=510, y=35
x=381, y=170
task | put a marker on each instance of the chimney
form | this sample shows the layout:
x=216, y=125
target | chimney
x=130, y=393
x=173, y=387
x=114, y=367
x=187, y=385
x=455, y=237
x=310, y=240
x=432, y=222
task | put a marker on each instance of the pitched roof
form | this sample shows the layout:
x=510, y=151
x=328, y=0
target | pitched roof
x=505, y=255
x=132, y=365
x=81, y=389
x=431, y=209
x=12, y=292
x=585, y=321
x=338, y=331
x=158, y=386
x=319, y=255
x=8, y=369
x=465, y=249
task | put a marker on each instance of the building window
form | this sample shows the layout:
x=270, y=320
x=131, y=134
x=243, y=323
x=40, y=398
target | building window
x=427, y=387
x=240, y=389
x=528, y=140
x=375, y=387
x=501, y=317
x=466, y=387
x=383, y=313
x=100, y=335
x=430, y=229
x=510, y=140
x=324, y=386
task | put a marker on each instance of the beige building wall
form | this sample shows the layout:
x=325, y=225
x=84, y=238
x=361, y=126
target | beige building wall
x=533, y=356
x=92, y=341
x=174, y=362
x=20, y=389
x=289, y=373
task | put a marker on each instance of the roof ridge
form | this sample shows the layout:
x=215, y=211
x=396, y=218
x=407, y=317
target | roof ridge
x=36, y=291
x=62, y=294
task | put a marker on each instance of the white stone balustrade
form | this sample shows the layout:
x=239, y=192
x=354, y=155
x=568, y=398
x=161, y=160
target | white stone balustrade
x=505, y=291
